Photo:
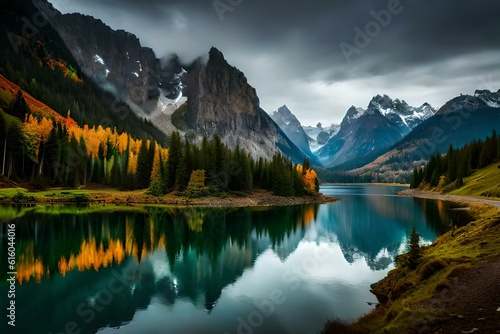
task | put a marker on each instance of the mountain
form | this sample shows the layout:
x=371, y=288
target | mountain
x=318, y=135
x=220, y=101
x=368, y=132
x=36, y=58
x=291, y=126
x=460, y=121
x=114, y=59
x=119, y=64
x=219, y=97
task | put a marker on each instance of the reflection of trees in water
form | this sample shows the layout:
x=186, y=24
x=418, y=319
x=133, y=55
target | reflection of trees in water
x=366, y=228
x=201, y=250
x=49, y=244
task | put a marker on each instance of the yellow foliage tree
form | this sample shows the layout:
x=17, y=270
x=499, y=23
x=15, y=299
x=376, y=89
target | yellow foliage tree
x=37, y=132
x=309, y=178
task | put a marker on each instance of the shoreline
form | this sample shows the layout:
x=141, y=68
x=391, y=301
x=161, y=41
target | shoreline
x=115, y=197
x=452, y=290
x=449, y=198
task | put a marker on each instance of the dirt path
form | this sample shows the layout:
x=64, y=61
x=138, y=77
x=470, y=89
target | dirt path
x=452, y=198
x=471, y=299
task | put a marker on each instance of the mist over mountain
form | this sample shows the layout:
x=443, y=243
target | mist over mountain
x=219, y=99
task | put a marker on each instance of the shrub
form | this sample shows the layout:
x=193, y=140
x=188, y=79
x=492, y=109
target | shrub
x=156, y=188
x=196, y=186
x=80, y=198
x=21, y=197
x=431, y=267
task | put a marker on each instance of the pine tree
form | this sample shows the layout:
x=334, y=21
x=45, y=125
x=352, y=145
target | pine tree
x=144, y=166
x=451, y=163
x=282, y=181
x=414, y=179
x=82, y=170
x=18, y=106
x=415, y=252
x=298, y=184
x=174, y=157
x=220, y=177
x=185, y=167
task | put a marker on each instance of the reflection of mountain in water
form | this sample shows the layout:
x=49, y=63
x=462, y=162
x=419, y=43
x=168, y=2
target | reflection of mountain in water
x=376, y=227
x=168, y=253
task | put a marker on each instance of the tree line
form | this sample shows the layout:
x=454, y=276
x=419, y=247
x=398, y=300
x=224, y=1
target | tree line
x=212, y=168
x=452, y=167
x=48, y=151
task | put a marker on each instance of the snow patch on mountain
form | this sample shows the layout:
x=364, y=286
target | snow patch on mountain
x=98, y=59
x=318, y=135
x=491, y=99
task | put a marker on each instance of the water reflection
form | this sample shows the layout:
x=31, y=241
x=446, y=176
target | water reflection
x=200, y=270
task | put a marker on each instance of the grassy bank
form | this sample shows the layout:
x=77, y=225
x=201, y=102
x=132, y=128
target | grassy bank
x=484, y=182
x=412, y=300
x=140, y=197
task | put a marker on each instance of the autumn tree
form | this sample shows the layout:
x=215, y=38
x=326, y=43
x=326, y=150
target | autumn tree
x=196, y=186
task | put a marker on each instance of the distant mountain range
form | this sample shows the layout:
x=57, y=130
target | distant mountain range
x=460, y=121
x=364, y=132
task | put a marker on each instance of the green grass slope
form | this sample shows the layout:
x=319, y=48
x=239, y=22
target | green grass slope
x=484, y=182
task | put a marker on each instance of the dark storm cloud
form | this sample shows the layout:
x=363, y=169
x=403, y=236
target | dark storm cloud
x=287, y=48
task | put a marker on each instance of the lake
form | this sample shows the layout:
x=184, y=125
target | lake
x=198, y=270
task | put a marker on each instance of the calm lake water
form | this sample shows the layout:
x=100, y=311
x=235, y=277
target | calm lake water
x=251, y=270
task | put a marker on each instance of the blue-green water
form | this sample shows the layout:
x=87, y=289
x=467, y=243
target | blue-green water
x=251, y=270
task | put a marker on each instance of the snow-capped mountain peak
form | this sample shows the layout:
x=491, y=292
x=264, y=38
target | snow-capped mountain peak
x=353, y=113
x=490, y=98
x=399, y=111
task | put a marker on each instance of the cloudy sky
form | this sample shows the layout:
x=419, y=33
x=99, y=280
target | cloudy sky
x=320, y=57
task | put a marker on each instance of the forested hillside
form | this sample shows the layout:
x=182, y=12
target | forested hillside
x=44, y=149
x=446, y=172
x=36, y=59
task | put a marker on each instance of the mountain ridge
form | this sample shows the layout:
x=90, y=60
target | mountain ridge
x=368, y=131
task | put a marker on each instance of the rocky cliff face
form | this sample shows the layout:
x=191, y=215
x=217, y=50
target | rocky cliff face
x=221, y=101
x=291, y=126
x=114, y=59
